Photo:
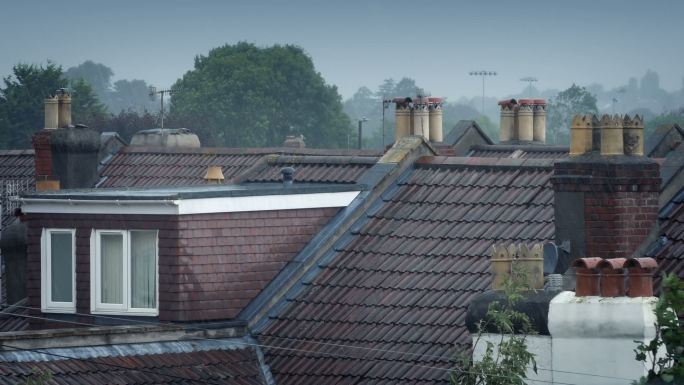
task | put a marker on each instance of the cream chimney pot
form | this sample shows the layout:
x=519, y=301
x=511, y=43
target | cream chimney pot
x=402, y=115
x=64, y=109
x=421, y=118
x=633, y=135
x=435, y=110
x=51, y=112
x=525, y=121
x=539, y=120
x=611, y=135
x=507, y=120
x=581, y=134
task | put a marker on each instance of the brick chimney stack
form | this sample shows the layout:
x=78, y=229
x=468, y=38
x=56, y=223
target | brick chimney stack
x=605, y=201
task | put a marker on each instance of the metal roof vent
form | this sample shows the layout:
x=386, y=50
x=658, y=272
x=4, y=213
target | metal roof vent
x=288, y=175
x=214, y=175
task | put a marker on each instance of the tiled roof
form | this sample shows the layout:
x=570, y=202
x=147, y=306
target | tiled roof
x=12, y=318
x=520, y=151
x=140, y=166
x=237, y=366
x=16, y=175
x=398, y=286
x=668, y=250
x=312, y=169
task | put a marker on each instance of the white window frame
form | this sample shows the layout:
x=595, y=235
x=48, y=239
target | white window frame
x=96, y=305
x=47, y=305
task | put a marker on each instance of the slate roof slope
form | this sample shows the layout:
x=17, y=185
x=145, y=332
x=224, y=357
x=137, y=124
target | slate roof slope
x=237, y=366
x=312, y=168
x=16, y=175
x=397, y=287
x=668, y=250
x=520, y=151
x=145, y=166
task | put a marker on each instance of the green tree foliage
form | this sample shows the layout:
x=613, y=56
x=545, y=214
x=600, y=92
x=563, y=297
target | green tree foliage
x=126, y=123
x=507, y=362
x=98, y=75
x=86, y=108
x=667, y=118
x=21, y=102
x=667, y=368
x=561, y=109
x=243, y=95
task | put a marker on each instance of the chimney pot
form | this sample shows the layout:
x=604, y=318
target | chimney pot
x=64, y=108
x=611, y=135
x=581, y=133
x=525, y=121
x=633, y=135
x=507, y=120
x=214, y=175
x=612, y=277
x=435, y=111
x=402, y=117
x=51, y=112
x=587, y=277
x=640, y=273
x=539, y=120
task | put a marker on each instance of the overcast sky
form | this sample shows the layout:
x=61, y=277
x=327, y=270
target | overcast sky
x=356, y=43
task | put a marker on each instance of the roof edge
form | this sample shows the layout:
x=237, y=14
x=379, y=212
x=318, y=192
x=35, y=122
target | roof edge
x=505, y=163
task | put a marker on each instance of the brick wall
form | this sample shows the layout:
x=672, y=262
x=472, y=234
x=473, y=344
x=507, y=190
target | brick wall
x=226, y=259
x=43, y=152
x=210, y=265
x=615, y=203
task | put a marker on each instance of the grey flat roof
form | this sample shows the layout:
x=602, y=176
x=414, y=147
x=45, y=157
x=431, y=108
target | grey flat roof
x=193, y=192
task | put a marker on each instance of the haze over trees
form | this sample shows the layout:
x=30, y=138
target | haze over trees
x=243, y=95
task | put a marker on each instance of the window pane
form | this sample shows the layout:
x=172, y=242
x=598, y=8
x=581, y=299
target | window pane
x=111, y=260
x=61, y=276
x=143, y=269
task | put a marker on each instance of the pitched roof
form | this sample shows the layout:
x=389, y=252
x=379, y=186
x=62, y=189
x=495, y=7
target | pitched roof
x=398, y=286
x=668, y=250
x=16, y=175
x=237, y=366
x=520, y=151
x=311, y=169
x=145, y=166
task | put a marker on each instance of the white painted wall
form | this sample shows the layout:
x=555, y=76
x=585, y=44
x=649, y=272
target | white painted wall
x=595, y=335
x=591, y=342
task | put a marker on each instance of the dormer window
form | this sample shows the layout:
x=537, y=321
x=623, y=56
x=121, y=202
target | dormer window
x=58, y=261
x=124, y=272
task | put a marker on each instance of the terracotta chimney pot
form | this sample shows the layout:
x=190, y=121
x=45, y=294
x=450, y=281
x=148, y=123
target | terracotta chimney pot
x=587, y=276
x=640, y=272
x=612, y=277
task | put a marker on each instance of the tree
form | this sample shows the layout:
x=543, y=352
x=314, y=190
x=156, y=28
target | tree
x=130, y=95
x=507, y=362
x=127, y=123
x=666, y=118
x=21, y=102
x=86, y=108
x=98, y=75
x=243, y=95
x=669, y=368
x=575, y=100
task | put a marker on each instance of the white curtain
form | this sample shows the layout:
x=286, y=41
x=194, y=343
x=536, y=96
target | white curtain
x=111, y=262
x=143, y=269
x=61, y=279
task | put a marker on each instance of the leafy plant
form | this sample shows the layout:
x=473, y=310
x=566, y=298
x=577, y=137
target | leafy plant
x=669, y=338
x=38, y=377
x=507, y=362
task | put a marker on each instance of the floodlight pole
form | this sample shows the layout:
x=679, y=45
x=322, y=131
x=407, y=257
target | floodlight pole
x=483, y=74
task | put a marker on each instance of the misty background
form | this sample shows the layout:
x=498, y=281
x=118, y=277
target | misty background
x=626, y=54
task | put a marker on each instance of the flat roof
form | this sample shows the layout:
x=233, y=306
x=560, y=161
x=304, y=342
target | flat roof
x=193, y=192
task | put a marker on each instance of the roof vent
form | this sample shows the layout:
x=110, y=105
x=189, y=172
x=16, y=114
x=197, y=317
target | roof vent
x=214, y=175
x=288, y=175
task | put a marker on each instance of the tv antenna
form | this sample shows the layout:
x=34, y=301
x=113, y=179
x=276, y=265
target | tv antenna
x=153, y=93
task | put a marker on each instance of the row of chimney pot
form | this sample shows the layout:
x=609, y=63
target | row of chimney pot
x=607, y=278
x=58, y=110
x=528, y=260
x=611, y=135
x=420, y=116
x=523, y=120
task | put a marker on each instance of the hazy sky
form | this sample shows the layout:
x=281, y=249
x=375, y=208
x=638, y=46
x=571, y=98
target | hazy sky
x=355, y=43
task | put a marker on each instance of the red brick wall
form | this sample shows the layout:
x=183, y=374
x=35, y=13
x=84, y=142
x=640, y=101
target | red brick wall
x=210, y=265
x=43, y=153
x=225, y=260
x=619, y=200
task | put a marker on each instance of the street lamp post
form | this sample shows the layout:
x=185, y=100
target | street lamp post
x=364, y=119
x=484, y=74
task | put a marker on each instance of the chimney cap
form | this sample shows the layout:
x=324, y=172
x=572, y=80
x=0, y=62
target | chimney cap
x=507, y=102
x=214, y=174
x=526, y=102
x=539, y=101
x=643, y=263
x=587, y=263
x=612, y=263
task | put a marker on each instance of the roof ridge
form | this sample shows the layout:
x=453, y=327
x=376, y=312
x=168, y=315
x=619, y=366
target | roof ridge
x=471, y=161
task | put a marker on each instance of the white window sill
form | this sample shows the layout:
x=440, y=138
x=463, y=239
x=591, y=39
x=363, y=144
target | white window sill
x=150, y=313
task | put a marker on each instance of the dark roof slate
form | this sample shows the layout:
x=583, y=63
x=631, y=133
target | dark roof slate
x=237, y=366
x=145, y=167
x=668, y=250
x=398, y=290
x=520, y=151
